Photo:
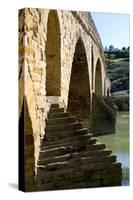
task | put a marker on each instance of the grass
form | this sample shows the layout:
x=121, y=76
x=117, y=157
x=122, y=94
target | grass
x=119, y=61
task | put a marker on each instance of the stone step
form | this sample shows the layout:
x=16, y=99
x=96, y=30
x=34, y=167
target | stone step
x=84, y=141
x=64, y=134
x=58, y=115
x=68, y=178
x=60, y=127
x=77, y=162
x=103, y=169
x=101, y=102
x=67, y=139
x=77, y=147
x=56, y=110
x=61, y=120
x=54, y=177
x=54, y=105
x=66, y=181
x=71, y=173
x=62, y=158
x=71, y=158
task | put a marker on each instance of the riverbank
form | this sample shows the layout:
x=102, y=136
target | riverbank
x=121, y=100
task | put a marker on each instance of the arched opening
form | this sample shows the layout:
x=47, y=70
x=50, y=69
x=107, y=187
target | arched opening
x=53, y=60
x=26, y=150
x=98, y=79
x=101, y=110
x=79, y=89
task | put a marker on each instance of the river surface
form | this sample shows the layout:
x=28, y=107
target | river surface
x=119, y=143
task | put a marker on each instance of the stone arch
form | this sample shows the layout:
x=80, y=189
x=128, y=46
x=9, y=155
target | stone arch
x=53, y=55
x=79, y=88
x=98, y=78
x=26, y=149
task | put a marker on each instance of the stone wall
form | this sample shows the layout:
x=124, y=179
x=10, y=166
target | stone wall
x=47, y=45
x=103, y=116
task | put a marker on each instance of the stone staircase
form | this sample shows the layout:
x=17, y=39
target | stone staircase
x=71, y=158
x=103, y=110
x=106, y=105
x=109, y=102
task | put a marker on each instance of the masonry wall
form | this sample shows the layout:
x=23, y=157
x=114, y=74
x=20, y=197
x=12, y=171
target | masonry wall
x=39, y=34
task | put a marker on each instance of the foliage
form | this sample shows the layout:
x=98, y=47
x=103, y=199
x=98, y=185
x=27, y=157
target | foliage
x=122, y=105
x=125, y=173
x=113, y=52
x=118, y=67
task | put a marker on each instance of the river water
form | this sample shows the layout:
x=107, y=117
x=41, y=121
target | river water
x=119, y=143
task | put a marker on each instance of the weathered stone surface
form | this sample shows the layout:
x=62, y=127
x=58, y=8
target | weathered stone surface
x=61, y=63
x=75, y=162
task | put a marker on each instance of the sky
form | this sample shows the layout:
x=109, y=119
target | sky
x=112, y=28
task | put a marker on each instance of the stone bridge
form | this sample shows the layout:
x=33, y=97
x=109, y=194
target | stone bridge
x=61, y=61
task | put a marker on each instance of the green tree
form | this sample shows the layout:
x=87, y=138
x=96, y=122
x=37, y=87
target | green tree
x=106, y=48
x=124, y=49
x=111, y=48
x=112, y=56
x=128, y=49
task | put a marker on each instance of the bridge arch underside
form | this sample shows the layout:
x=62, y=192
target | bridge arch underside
x=53, y=60
x=98, y=79
x=79, y=89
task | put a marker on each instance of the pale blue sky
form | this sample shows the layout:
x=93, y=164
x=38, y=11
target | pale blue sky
x=112, y=28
